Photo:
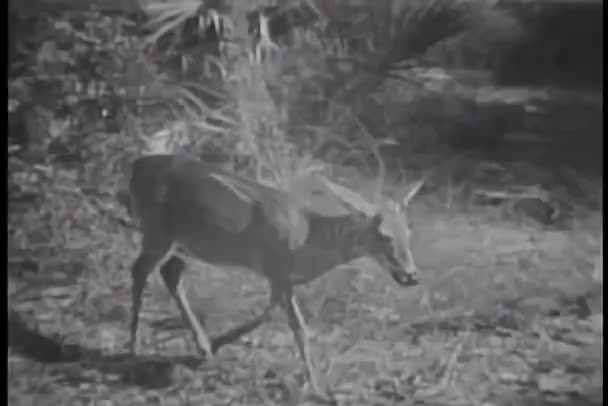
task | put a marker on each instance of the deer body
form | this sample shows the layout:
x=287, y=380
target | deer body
x=187, y=208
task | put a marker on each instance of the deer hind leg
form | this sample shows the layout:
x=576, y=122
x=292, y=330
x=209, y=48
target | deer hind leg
x=172, y=272
x=153, y=253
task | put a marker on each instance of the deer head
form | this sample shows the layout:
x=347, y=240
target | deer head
x=387, y=230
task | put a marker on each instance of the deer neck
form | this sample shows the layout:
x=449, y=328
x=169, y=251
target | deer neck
x=345, y=235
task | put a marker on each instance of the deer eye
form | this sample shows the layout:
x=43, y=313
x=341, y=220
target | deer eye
x=383, y=238
x=387, y=246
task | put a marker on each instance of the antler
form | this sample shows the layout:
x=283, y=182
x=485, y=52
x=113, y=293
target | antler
x=374, y=144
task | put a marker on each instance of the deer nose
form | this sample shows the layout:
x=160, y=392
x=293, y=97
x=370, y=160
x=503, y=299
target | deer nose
x=405, y=278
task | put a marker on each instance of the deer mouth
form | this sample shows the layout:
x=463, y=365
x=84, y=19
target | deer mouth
x=404, y=279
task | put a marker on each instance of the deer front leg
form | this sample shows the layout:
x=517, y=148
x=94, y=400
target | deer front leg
x=297, y=324
x=237, y=332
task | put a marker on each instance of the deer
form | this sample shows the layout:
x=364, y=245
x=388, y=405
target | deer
x=187, y=209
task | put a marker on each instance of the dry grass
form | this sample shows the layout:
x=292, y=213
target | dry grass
x=503, y=317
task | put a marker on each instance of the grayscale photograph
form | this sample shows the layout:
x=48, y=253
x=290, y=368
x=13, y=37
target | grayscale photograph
x=305, y=202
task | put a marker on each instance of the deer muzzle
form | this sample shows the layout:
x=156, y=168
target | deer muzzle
x=404, y=278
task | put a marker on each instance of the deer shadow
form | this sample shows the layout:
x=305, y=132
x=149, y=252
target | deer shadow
x=73, y=363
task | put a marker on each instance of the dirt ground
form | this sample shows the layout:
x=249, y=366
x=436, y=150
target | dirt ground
x=506, y=314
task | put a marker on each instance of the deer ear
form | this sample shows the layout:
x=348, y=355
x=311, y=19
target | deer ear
x=411, y=192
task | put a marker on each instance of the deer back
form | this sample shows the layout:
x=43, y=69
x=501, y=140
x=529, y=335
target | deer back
x=189, y=193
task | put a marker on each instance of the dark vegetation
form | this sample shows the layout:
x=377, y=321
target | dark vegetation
x=498, y=104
